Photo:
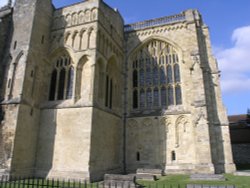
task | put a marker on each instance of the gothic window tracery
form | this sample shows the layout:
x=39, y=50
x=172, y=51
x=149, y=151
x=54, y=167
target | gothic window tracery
x=62, y=79
x=156, y=77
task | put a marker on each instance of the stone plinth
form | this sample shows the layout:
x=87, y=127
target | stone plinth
x=116, y=180
x=208, y=177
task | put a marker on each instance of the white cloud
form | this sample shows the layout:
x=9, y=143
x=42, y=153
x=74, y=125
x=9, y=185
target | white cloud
x=235, y=62
x=3, y=3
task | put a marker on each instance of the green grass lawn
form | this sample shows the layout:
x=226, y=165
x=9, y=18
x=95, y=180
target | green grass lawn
x=181, y=180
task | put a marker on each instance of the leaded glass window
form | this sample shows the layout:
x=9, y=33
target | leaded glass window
x=142, y=77
x=135, y=78
x=163, y=96
x=176, y=73
x=156, y=79
x=156, y=97
x=135, y=99
x=162, y=75
x=169, y=74
x=61, y=84
x=155, y=76
x=170, y=96
x=62, y=79
x=142, y=98
x=178, y=95
x=148, y=77
x=53, y=85
x=149, y=97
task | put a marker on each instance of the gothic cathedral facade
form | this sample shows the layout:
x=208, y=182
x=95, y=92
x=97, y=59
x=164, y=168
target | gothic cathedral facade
x=82, y=94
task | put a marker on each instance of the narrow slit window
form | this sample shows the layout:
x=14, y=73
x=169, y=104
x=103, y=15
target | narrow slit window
x=138, y=156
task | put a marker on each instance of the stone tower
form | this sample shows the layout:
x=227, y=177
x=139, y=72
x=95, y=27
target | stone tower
x=86, y=95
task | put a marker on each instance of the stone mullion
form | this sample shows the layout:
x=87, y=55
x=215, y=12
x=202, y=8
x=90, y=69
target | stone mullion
x=66, y=82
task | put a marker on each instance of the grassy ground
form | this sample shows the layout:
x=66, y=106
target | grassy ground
x=173, y=181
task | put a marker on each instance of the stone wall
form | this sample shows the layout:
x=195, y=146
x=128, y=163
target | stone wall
x=106, y=144
x=5, y=37
x=241, y=153
x=64, y=143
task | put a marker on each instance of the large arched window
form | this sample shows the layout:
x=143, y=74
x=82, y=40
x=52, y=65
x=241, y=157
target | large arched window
x=156, y=78
x=62, y=79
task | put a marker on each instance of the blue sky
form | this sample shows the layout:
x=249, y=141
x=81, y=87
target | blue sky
x=229, y=23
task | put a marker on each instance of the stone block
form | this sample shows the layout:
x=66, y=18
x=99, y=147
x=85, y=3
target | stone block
x=207, y=177
x=117, y=180
x=156, y=172
x=146, y=177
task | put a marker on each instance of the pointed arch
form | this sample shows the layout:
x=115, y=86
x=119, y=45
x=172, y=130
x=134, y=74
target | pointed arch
x=180, y=127
x=91, y=38
x=82, y=72
x=156, y=62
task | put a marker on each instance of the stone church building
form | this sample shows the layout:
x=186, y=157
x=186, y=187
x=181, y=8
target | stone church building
x=82, y=94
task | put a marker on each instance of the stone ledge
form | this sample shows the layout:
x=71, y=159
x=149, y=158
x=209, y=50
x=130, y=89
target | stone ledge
x=209, y=186
x=117, y=180
x=156, y=172
x=242, y=173
x=207, y=177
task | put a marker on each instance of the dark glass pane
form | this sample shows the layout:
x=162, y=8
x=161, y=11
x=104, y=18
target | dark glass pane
x=53, y=85
x=135, y=99
x=142, y=78
x=148, y=62
x=169, y=74
x=148, y=77
x=107, y=91
x=149, y=98
x=141, y=61
x=135, y=78
x=154, y=60
x=61, y=85
x=155, y=76
x=178, y=95
x=156, y=97
x=61, y=62
x=142, y=98
x=70, y=83
x=162, y=76
x=170, y=96
x=163, y=96
x=66, y=62
x=111, y=94
x=177, y=73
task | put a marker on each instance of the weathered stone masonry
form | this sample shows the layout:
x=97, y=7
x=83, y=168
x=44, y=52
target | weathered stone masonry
x=86, y=95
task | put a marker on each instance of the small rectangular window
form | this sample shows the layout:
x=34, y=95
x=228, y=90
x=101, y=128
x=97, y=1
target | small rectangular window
x=31, y=112
x=42, y=40
x=138, y=157
x=15, y=45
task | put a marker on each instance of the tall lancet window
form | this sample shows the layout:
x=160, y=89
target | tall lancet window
x=156, y=78
x=62, y=79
